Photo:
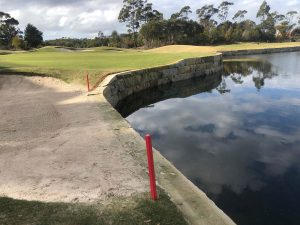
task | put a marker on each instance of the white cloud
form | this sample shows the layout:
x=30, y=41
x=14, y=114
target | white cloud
x=63, y=21
x=292, y=3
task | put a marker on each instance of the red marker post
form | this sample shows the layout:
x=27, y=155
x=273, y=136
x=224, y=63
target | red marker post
x=88, y=82
x=151, y=167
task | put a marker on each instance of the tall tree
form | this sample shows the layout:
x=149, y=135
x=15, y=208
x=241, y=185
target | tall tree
x=163, y=32
x=17, y=42
x=101, y=34
x=280, y=25
x=264, y=11
x=239, y=15
x=115, y=40
x=33, y=36
x=290, y=20
x=8, y=29
x=206, y=13
x=277, y=17
x=267, y=28
x=223, y=9
x=134, y=13
x=267, y=25
x=290, y=23
x=250, y=31
x=154, y=16
x=148, y=14
x=183, y=14
x=290, y=16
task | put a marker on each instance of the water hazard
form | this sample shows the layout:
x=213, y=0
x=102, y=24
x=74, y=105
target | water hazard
x=235, y=135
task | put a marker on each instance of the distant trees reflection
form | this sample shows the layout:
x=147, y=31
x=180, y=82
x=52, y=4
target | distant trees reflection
x=234, y=70
x=238, y=70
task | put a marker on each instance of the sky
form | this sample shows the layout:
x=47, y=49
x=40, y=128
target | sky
x=84, y=18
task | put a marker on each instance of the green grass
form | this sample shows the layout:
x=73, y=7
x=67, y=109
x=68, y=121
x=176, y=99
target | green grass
x=71, y=65
x=247, y=46
x=134, y=211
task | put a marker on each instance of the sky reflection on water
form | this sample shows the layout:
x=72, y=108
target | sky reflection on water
x=239, y=142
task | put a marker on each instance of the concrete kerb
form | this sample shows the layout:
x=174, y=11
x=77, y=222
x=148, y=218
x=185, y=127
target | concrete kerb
x=196, y=207
x=259, y=51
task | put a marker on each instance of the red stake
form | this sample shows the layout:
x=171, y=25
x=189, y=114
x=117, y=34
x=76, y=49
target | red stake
x=88, y=82
x=151, y=167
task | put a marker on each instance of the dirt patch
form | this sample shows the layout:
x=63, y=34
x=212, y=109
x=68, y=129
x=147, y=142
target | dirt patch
x=57, y=144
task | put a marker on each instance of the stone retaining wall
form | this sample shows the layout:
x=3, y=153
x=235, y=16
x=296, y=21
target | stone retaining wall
x=119, y=86
x=259, y=51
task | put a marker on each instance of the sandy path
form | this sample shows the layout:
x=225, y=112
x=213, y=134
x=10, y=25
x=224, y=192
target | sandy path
x=56, y=144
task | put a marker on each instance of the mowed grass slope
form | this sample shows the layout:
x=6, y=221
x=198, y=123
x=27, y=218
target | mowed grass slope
x=137, y=210
x=71, y=65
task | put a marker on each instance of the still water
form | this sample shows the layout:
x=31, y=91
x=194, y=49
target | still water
x=235, y=135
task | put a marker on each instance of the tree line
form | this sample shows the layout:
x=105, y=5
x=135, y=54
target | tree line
x=148, y=27
x=113, y=40
x=212, y=26
x=12, y=37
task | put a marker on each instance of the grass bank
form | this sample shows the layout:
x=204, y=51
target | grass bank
x=71, y=65
x=135, y=211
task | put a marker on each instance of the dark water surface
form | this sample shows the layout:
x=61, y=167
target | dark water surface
x=236, y=135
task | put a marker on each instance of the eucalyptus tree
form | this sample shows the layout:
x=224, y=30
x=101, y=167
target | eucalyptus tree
x=148, y=14
x=184, y=31
x=8, y=29
x=17, y=42
x=267, y=25
x=223, y=9
x=100, y=34
x=291, y=23
x=290, y=20
x=267, y=28
x=172, y=31
x=115, y=39
x=239, y=15
x=132, y=14
x=135, y=13
x=264, y=11
x=278, y=18
x=250, y=31
x=241, y=30
x=154, y=33
x=290, y=16
x=284, y=24
x=183, y=14
x=153, y=15
x=281, y=25
x=33, y=36
x=225, y=28
x=205, y=15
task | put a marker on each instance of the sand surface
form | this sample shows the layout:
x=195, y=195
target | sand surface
x=57, y=144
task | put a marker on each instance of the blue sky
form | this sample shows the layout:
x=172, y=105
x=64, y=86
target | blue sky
x=84, y=18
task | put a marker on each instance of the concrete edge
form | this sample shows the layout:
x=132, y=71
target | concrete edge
x=259, y=51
